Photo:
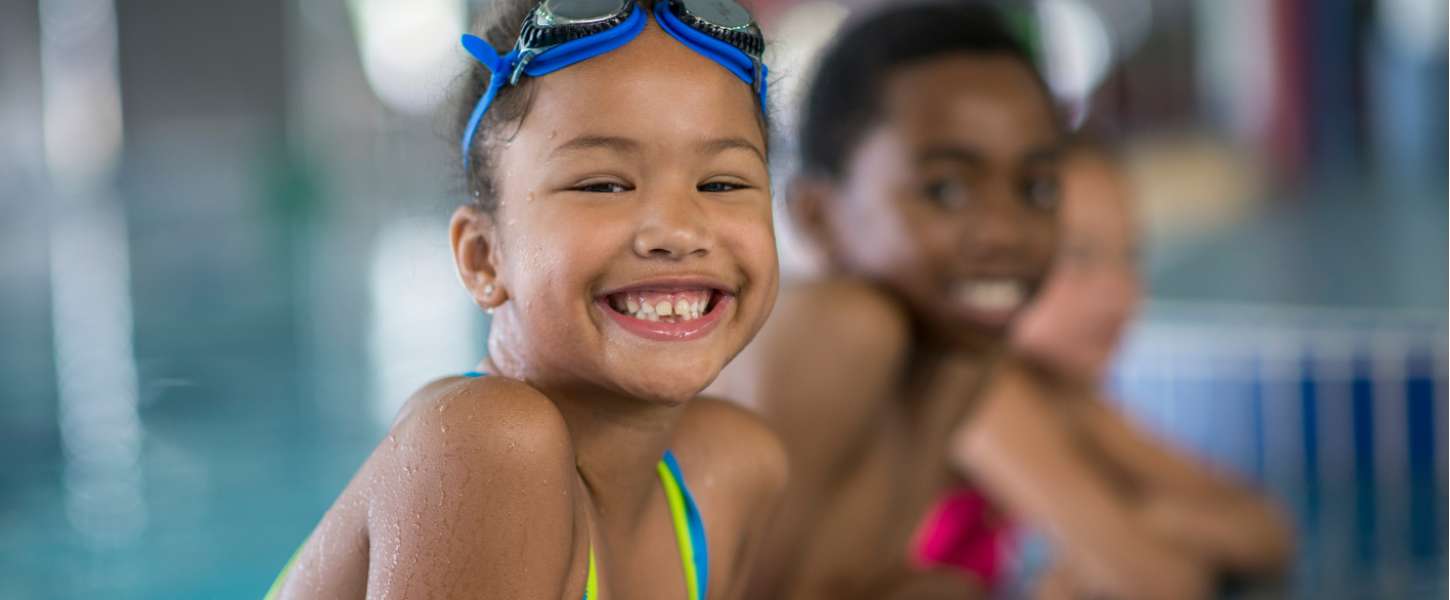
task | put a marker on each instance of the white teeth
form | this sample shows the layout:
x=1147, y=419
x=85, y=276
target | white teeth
x=637, y=306
x=991, y=295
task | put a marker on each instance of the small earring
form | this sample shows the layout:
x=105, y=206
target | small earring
x=488, y=290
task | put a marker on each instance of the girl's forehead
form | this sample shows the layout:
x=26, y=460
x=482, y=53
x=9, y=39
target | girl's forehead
x=653, y=88
x=652, y=52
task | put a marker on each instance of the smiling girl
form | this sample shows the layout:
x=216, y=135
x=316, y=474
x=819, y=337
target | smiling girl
x=620, y=234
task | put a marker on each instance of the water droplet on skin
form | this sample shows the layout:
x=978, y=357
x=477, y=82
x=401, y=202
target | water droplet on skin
x=443, y=429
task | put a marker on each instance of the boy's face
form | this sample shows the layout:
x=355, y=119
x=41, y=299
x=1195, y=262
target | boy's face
x=949, y=200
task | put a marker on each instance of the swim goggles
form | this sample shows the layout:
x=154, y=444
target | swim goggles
x=560, y=33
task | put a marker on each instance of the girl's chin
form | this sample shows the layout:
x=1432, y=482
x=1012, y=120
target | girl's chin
x=665, y=390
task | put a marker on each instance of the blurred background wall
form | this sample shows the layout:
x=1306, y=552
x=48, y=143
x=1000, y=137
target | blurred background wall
x=224, y=264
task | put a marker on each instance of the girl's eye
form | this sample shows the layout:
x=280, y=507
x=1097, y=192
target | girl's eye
x=720, y=186
x=947, y=193
x=1042, y=192
x=603, y=187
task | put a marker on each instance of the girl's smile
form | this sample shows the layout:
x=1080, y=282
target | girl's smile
x=675, y=309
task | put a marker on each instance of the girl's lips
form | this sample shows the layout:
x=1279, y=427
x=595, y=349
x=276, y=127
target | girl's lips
x=664, y=331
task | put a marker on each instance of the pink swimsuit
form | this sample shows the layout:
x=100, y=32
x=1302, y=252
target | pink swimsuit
x=964, y=531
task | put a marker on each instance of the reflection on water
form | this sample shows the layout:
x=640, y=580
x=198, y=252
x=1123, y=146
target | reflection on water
x=100, y=430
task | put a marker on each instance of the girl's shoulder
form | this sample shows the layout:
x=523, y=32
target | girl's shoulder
x=470, y=469
x=468, y=424
x=729, y=445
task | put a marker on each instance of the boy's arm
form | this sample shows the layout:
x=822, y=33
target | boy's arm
x=1186, y=500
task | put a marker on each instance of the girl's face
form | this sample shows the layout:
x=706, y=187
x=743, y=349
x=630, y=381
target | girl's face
x=1093, y=292
x=949, y=202
x=633, y=236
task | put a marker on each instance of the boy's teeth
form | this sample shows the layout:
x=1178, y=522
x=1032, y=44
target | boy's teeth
x=991, y=295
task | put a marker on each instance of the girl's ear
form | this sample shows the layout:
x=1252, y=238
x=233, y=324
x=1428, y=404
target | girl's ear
x=474, y=240
x=806, y=202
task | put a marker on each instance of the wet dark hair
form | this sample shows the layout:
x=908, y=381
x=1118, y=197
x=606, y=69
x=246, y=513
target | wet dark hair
x=844, y=97
x=499, y=26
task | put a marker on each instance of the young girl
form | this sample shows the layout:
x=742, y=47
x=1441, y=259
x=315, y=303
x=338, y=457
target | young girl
x=620, y=233
x=929, y=185
x=1071, y=331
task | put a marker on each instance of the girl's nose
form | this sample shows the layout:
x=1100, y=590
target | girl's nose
x=673, y=228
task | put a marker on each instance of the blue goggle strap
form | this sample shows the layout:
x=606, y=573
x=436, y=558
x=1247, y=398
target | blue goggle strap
x=749, y=70
x=505, y=69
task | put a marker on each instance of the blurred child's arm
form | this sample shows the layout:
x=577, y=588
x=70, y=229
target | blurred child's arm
x=818, y=373
x=1020, y=450
x=1188, y=501
x=471, y=495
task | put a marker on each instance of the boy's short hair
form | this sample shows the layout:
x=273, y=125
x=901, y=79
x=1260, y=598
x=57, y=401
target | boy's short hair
x=844, y=97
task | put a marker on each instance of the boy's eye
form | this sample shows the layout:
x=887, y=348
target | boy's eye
x=720, y=186
x=949, y=193
x=603, y=187
x=1042, y=192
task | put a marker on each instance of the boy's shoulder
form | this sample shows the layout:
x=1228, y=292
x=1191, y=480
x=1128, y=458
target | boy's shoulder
x=842, y=315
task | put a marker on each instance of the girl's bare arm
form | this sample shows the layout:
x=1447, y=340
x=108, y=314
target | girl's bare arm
x=1189, y=502
x=1019, y=449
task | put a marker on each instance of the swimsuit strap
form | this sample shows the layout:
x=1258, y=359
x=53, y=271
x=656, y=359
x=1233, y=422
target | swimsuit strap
x=591, y=581
x=689, y=533
x=689, y=527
